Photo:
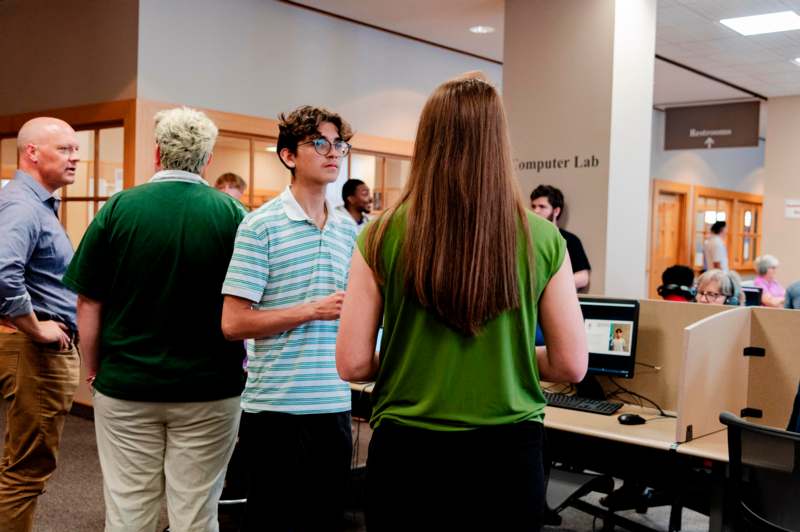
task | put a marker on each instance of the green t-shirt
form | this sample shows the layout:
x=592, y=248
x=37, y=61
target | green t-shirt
x=433, y=377
x=156, y=256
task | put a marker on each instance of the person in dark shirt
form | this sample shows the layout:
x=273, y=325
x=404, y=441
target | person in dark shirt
x=548, y=202
x=166, y=382
x=676, y=283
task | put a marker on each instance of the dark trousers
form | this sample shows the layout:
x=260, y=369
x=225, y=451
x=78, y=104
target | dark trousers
x=485, y=479
x=298, y=470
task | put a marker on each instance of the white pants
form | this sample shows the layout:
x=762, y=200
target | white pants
x=148, y=448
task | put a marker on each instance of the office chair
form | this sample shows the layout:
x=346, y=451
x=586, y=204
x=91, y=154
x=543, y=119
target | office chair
x=764, y=475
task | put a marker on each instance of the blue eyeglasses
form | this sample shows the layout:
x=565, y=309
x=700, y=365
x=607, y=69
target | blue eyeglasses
x=323, y=146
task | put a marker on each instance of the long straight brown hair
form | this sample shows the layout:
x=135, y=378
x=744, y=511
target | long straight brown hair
x=464, y=209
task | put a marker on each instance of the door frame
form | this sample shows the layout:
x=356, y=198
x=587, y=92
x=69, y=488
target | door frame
x=684, y=191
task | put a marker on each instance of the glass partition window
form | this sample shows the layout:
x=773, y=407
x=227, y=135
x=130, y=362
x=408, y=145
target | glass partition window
x=8, y=160
x=747, y=227
x=270, y=176
x=99, y=176
x=231, y=154
x=255, y=159
x=76, y=216
x=385, y=176
x=708, y=211
x=111, y=150
x=394, y=179
x=741, y=212
x=83, y=187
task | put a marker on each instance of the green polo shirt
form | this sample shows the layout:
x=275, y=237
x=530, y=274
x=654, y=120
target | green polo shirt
x=156, y=257
x=435, y=378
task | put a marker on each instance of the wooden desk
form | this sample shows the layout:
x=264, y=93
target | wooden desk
x=657, y=433
x=710, y=454
x=711, y=447
x=691, y=474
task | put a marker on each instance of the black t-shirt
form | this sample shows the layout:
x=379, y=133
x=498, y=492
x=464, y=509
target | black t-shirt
x=576, y=253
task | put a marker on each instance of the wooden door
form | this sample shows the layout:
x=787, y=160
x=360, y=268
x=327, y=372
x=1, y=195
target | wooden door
x=668, y=237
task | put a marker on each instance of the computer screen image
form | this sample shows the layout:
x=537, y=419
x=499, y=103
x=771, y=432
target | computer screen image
x=611, y=328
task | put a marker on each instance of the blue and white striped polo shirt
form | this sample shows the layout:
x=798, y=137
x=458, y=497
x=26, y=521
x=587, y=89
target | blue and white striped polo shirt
x=280, y=260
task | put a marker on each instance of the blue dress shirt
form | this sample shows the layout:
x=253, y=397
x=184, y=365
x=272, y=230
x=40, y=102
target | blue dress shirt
x=34, y=254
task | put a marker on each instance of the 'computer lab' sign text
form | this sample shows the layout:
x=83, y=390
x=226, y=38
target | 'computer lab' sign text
x=576, y=161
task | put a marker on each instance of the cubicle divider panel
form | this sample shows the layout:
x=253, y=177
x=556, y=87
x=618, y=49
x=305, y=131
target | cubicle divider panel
x=714, y=374
x=660, y=344
x=774, y=376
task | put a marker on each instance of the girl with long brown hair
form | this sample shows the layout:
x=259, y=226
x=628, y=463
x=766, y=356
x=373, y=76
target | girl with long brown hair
x=459, y=272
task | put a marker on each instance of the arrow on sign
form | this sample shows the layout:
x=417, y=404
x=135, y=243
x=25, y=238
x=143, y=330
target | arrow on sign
x=709, y=142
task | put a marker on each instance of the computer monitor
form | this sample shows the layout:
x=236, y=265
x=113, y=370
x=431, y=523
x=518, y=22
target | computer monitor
x=611, y=330
x=752, y=296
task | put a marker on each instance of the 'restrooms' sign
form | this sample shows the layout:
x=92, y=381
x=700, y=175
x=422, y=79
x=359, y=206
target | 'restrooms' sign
x=712, y=126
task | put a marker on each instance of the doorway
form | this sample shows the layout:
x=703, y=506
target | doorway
x=668, y=238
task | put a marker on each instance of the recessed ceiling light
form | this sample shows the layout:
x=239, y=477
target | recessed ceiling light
x=481, y=29
x=272, y=149
x=767, y=23
x=796, y=61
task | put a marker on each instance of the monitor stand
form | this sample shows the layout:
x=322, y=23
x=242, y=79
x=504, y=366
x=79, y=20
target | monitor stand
x=590, y=388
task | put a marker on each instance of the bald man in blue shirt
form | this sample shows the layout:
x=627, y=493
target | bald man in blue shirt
x=39, y=361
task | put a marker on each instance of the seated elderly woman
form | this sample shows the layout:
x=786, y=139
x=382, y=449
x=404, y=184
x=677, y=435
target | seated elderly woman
x=772, y=293
x=718, y=287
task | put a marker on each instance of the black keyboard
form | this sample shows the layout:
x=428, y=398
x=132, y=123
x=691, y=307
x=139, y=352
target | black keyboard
x=573, y=402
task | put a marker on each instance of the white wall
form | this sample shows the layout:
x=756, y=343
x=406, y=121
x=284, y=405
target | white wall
x=740, y=169
x=780, y=231
x=552, y=52
x=629, y=151
x=262, y=57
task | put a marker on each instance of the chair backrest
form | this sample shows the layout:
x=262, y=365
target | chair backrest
x=794, y=418
x=764, y=474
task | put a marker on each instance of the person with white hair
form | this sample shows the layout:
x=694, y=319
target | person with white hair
x=148, y=274
x=719, y=287
x=772, y=293
x=40, y=364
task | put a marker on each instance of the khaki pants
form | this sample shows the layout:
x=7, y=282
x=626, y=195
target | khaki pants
x=147, y=449
x=38, y=384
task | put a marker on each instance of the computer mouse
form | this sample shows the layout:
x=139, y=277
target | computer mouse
x=631, y=419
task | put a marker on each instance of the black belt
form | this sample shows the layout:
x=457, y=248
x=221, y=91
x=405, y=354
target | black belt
x=56, y=346
x=46, y=316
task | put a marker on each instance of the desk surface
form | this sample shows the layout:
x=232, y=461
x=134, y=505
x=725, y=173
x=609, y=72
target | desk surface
x=712, y=446
x=657, y=433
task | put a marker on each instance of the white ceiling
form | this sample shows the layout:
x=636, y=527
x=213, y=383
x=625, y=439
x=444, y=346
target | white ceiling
x=445, y=22
x=688, y=32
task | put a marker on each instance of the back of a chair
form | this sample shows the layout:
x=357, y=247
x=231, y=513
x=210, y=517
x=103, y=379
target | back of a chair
x=764, y=475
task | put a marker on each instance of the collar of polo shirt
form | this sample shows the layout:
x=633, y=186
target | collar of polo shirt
x=295, y=212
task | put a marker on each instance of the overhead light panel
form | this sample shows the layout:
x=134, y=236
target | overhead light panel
x=767, y=23
x=796, y=61
x=272, y=149
x=481, y=29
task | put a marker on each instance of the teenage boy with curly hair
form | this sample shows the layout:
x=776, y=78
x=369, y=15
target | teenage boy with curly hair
x=284, y=292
